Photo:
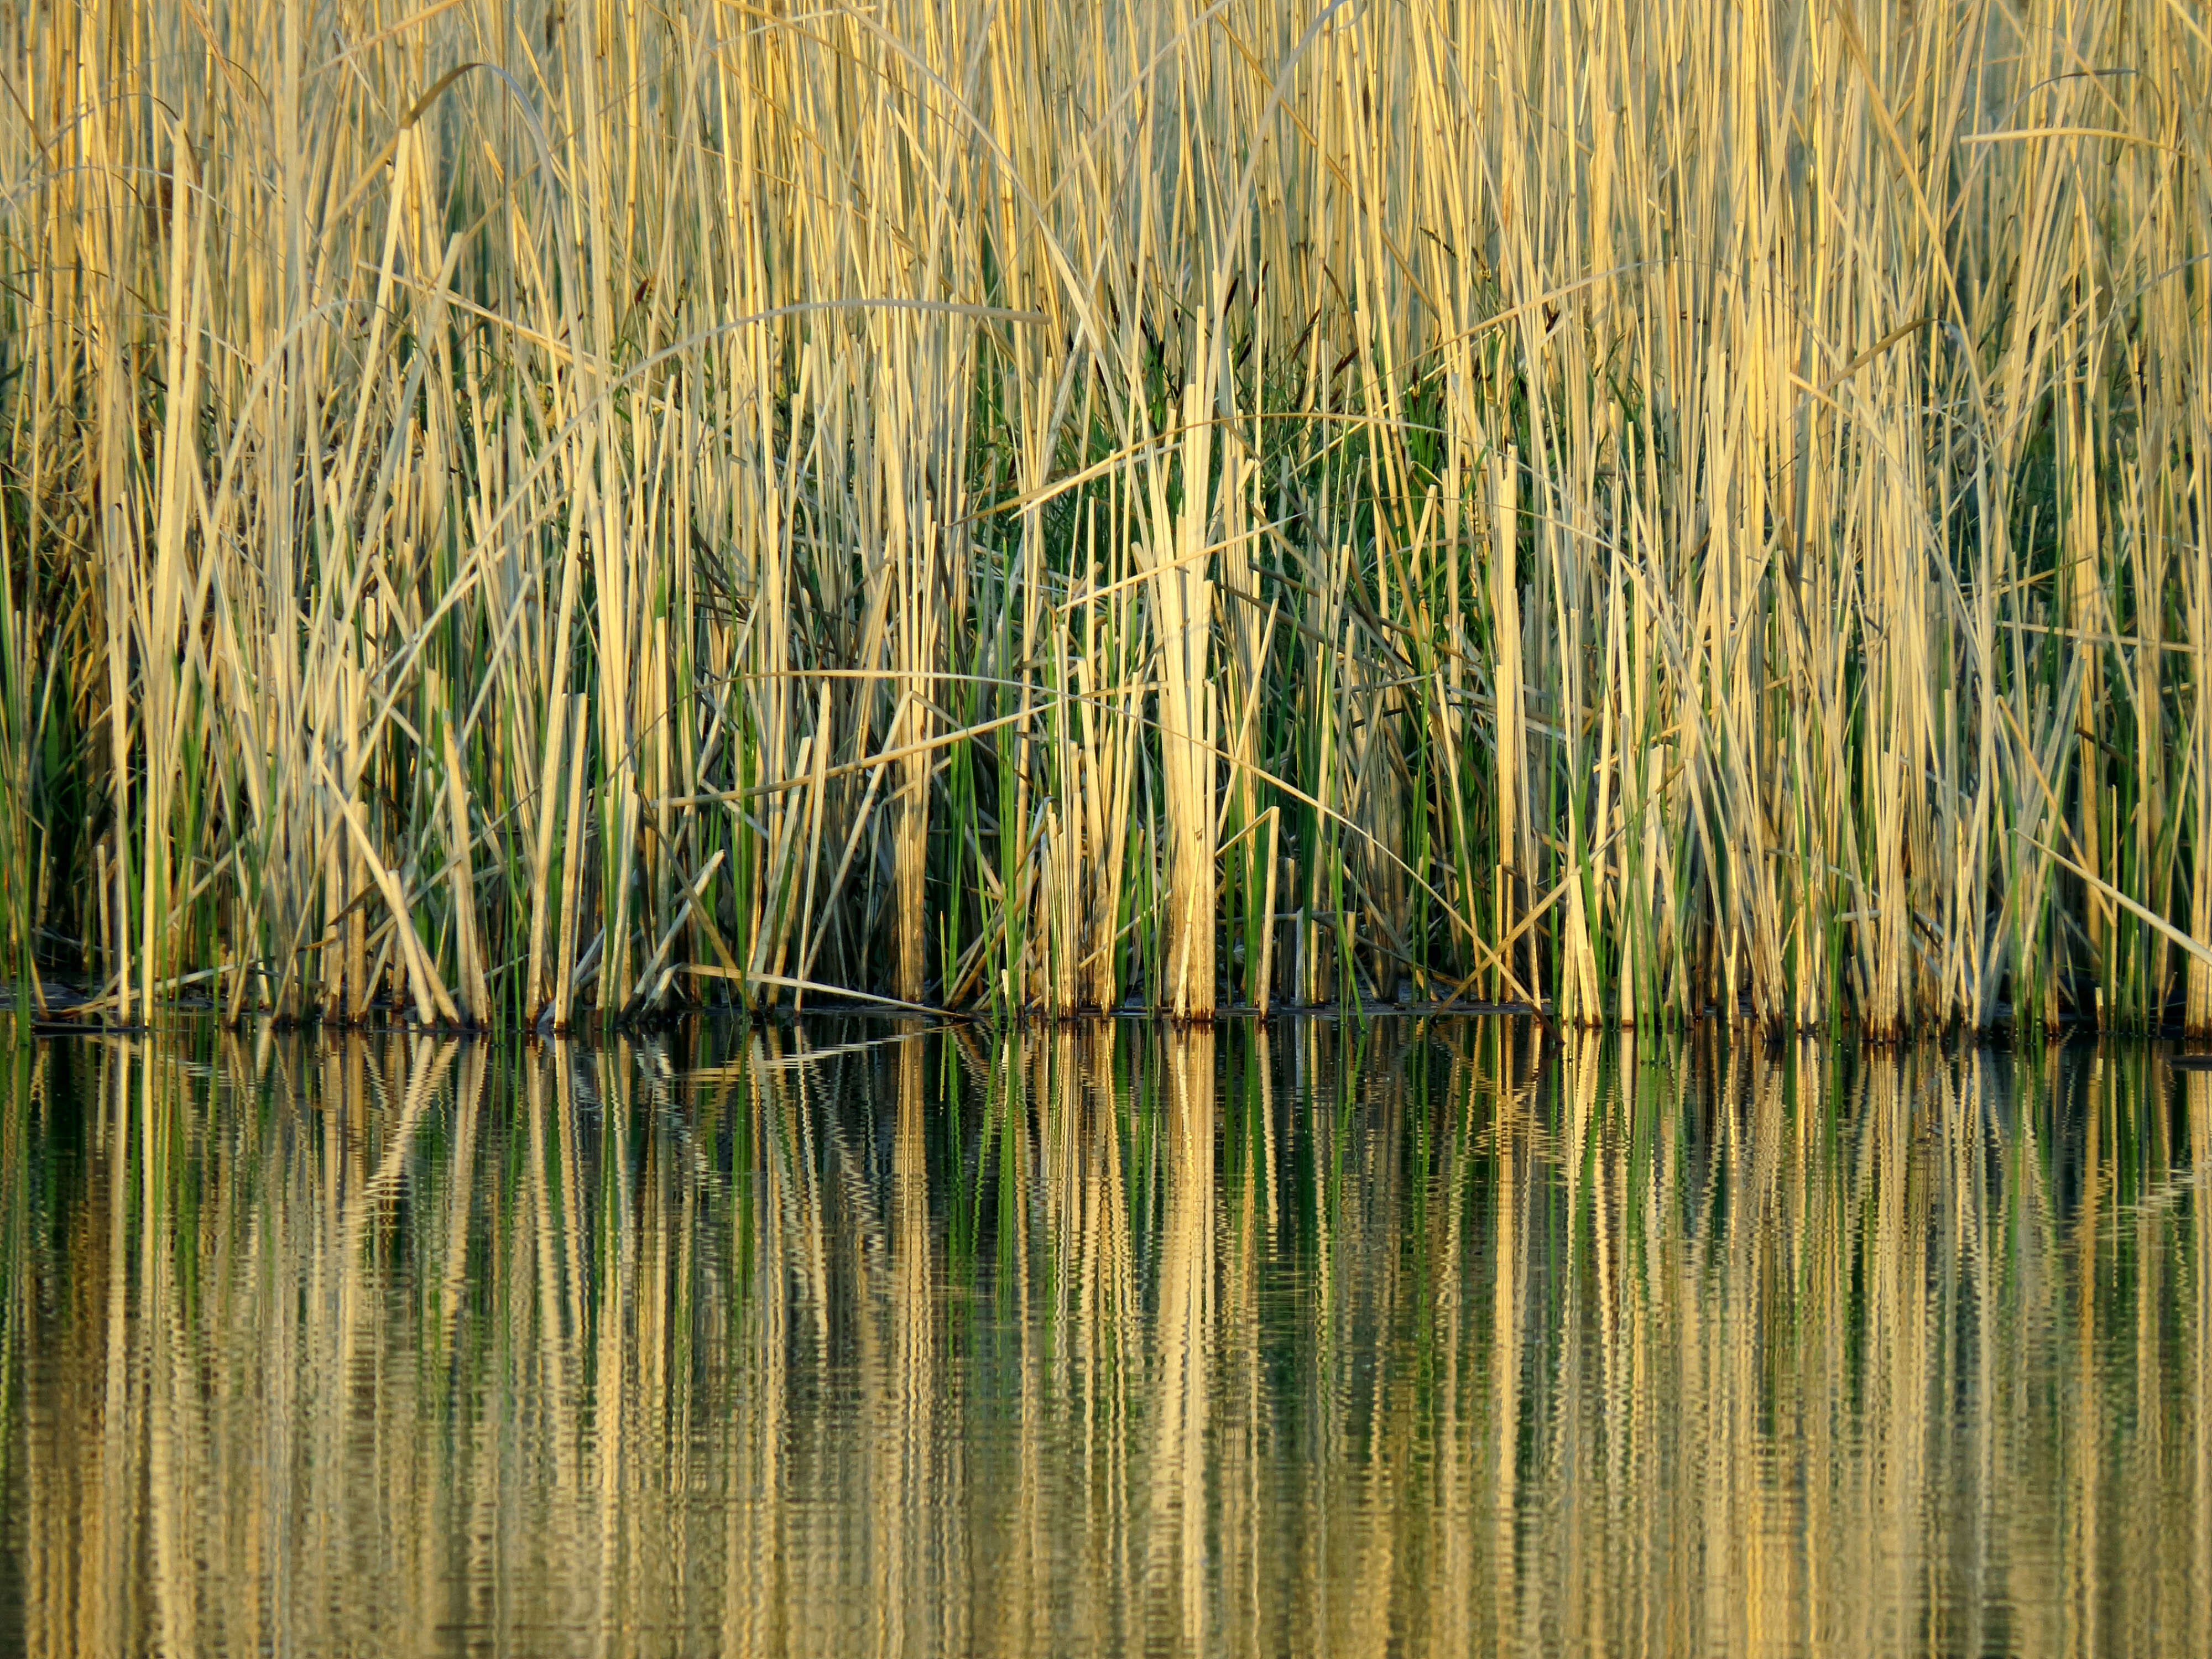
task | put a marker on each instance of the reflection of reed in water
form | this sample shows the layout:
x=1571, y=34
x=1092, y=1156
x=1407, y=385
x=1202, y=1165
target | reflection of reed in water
x=1107, y=1338
x=1182, y=1384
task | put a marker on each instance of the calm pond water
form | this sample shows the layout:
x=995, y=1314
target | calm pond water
x=851, y=1341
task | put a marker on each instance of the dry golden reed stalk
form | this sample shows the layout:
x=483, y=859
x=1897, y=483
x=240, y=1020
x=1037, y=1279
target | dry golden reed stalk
x=1664, y=512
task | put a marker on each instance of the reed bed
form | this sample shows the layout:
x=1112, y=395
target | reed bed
x=535, y=515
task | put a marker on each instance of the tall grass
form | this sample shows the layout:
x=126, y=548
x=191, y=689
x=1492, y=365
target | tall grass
x=1655, y=510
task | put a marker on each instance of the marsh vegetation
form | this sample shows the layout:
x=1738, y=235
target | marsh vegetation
x=535, y=513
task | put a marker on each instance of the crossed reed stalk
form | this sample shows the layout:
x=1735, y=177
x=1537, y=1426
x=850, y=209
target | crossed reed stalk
x=1655, y=511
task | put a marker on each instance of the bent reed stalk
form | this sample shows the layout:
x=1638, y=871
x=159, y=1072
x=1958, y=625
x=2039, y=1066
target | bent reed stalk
x=532, y=515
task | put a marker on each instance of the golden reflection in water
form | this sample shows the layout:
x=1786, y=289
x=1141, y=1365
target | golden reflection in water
x=893, y=1340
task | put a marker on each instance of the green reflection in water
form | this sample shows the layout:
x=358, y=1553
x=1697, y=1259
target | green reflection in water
x=860, y=1340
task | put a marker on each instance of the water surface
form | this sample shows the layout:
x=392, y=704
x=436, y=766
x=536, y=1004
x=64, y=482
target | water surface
x=855, y=1340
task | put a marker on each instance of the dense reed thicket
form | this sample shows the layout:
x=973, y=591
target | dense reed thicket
x=537, y=512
